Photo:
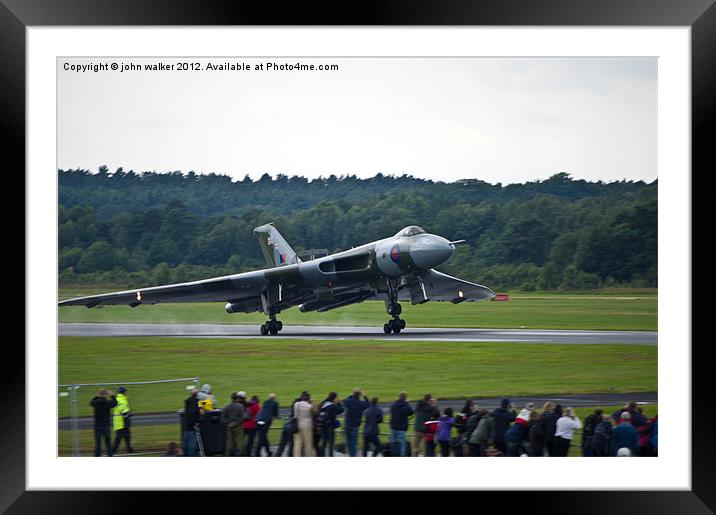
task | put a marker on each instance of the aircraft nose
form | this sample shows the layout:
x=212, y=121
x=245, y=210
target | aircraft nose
x=432, y=252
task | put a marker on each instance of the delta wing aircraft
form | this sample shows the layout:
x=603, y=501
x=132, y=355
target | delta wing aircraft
x=399, y=268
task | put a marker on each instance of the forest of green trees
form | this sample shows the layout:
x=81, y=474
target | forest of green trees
x=126, y=229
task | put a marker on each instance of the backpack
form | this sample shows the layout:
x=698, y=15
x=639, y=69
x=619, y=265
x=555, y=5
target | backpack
x=321, y=419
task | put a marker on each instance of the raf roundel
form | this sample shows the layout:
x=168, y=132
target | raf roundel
x=395, y=254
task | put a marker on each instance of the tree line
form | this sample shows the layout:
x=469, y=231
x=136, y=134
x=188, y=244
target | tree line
x=125, y=229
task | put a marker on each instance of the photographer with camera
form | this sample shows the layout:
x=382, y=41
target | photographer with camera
x=102, y=406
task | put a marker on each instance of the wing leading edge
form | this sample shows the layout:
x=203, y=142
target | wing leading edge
x=218, y=289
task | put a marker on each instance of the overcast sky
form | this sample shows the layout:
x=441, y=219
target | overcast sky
x=499, y=120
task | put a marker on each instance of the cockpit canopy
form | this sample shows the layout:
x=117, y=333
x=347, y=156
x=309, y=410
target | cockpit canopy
x=411, y=230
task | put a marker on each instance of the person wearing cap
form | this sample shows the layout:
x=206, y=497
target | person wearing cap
x=121, y=421
x=206, y=398
x=502, y=417
x=102, y=403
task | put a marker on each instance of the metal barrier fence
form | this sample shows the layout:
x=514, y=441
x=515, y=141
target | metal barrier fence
x=72, y=392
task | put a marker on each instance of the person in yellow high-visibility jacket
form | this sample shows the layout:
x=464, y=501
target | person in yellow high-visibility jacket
x=121, y=421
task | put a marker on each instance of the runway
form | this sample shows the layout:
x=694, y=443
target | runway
x=583, y=400
x=572, y=337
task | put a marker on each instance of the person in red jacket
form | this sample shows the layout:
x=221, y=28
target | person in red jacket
x=431, y=428
x=252, y=409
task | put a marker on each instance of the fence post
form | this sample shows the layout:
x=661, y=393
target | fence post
x=75, y=420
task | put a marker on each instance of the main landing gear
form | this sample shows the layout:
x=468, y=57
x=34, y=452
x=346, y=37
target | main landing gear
x=271, y=327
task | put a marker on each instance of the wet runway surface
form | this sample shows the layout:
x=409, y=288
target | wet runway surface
x=364, y=333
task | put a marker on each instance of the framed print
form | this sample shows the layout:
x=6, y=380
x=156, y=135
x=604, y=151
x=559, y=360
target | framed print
x=159, y=148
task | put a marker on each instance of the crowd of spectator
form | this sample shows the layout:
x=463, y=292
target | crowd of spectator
x=311, y=427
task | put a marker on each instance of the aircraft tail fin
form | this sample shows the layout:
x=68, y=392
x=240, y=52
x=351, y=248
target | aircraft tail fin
x=274, y=248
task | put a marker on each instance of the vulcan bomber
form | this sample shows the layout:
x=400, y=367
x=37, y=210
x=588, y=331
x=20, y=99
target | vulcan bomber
x=397, y=269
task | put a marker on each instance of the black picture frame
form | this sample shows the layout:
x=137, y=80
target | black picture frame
x=17, y=15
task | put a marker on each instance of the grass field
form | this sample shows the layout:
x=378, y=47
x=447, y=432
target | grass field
x=156, y=438
x=607, y=310
x=448, y=370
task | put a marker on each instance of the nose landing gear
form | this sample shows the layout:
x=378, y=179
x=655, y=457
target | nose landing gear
x=272, y=327
x=396, y=324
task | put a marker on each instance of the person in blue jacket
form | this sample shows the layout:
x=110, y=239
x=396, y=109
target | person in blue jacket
x=373, y=418
x=269, y=412
x=625, y=435
x=354, y=408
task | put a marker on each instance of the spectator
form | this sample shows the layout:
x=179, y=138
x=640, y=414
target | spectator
x=534, y=428
x=121, y=418
x=400, y=411
x=303, y=439
x=316, y=442
x=422, y=414
x=602, y=438
x=655, y=437
x=102, y=403
x=625, y=435
x=207, y=400
x=644, y=431
x=461, y=418
x=636, y=415
x=431, y=428
x=191, y=423
x=327, y=421
x=373, y=417
x=287, y=430
x=172, y=450
x=354, y=407
x=638, y=419
x=590, y=425
x=549, y=418
x=501, y=419
x=269, y=412
x=233, y=416
x=515, y=436
x=524, y=413
x=469, y=428
x=445, y=424
x=252, y=409
x=564, y=432
x=479, y=438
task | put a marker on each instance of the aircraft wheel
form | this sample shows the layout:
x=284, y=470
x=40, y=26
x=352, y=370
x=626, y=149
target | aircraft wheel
x=272, y=327
x=402, y=323
x=396, y=328
x=279, y=325
x=387, y=329
x=264, y=330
